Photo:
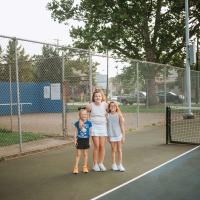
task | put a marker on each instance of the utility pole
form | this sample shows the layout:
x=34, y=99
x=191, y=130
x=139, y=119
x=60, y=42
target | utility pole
x=107, y=76
x=116, y=67
x=197, y=71
x=57, y=43
x=197, y=66
x=187, y=63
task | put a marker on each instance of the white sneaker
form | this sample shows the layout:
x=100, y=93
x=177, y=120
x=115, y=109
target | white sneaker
x=102, y=167
x=121, y=168
x=96, y=168
x=114, y=167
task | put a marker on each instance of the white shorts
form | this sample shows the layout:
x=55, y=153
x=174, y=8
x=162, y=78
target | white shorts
x=99, y=130
x=116, y=139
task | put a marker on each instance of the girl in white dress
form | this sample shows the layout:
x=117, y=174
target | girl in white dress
x=116, y=134
x=98, y=112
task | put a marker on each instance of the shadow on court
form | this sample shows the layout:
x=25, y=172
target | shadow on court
x=48, y=175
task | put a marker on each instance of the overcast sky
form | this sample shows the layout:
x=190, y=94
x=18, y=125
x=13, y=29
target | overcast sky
x=30, y=19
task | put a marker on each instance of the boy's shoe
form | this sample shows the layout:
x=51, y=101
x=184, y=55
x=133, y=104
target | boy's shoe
x=114, y=167
x=85, y=169
x=102, y=167
x=121, y=168
x=96, y=168
x=75, y=170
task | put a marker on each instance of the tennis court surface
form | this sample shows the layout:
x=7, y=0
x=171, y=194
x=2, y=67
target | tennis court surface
x=48, y=175
x=174, y=180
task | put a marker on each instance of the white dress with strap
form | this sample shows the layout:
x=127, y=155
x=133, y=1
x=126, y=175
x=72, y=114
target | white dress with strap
x=98, y=119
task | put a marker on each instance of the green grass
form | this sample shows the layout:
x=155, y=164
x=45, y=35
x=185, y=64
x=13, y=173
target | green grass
x=8, y=138
x=142, y=108
x=72, y=108
x=127, y=108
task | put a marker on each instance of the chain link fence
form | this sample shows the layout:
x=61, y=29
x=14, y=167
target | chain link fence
x=42, y=85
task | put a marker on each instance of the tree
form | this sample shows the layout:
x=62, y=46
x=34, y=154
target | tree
x=77, y=73
x=8, y=64
x=48, y=66
x=151, y=30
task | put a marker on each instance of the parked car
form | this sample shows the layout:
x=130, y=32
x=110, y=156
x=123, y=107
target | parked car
x=142, y=96
x=113, y=98
x=170, y=97
x=125, y=99
x=130, y=99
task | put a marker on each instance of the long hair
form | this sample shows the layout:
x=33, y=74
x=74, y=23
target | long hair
x=117, y=107
x=98, y=91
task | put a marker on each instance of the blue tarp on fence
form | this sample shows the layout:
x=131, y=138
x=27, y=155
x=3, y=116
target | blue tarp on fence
x=31, y=98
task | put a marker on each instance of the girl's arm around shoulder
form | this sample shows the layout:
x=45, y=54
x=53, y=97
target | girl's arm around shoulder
x=89, y=107
x=106, y=105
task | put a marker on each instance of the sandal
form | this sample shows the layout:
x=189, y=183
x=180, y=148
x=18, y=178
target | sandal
x=75, y=170
x=85, y=169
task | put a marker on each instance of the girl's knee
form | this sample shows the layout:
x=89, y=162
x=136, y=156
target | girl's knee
x=85, y=153
x=119, y=150
x=96, y=147
x=113, y=149
x=78, y=153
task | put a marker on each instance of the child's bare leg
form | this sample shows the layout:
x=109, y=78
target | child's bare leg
x=95, y=149
x=78, y=155
x=85, y=157
x=85, y=161
x=119, y=152
x=102, y=141
x=113, y=150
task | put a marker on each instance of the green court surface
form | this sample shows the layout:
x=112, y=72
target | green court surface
x=177, y=179
x=47, y=175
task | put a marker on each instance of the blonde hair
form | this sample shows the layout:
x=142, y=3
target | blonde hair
x=117, y=107
x=98, y=91
x=81, y=122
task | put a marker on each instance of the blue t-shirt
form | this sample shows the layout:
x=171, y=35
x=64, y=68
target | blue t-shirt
x=84, y=132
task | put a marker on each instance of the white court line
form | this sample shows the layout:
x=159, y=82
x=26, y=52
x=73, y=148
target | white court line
x=140, y=176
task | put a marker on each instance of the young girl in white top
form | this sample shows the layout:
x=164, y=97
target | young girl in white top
x=116, y=134
x=98, y=112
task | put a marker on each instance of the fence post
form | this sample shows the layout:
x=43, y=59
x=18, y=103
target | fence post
x=168, y=124
x=197, y=69
x=63, y=98
x=18, y=97
x=138, y=100
x=107, y=77
x=90, y=74
x=165, y=86
x=11, y=97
